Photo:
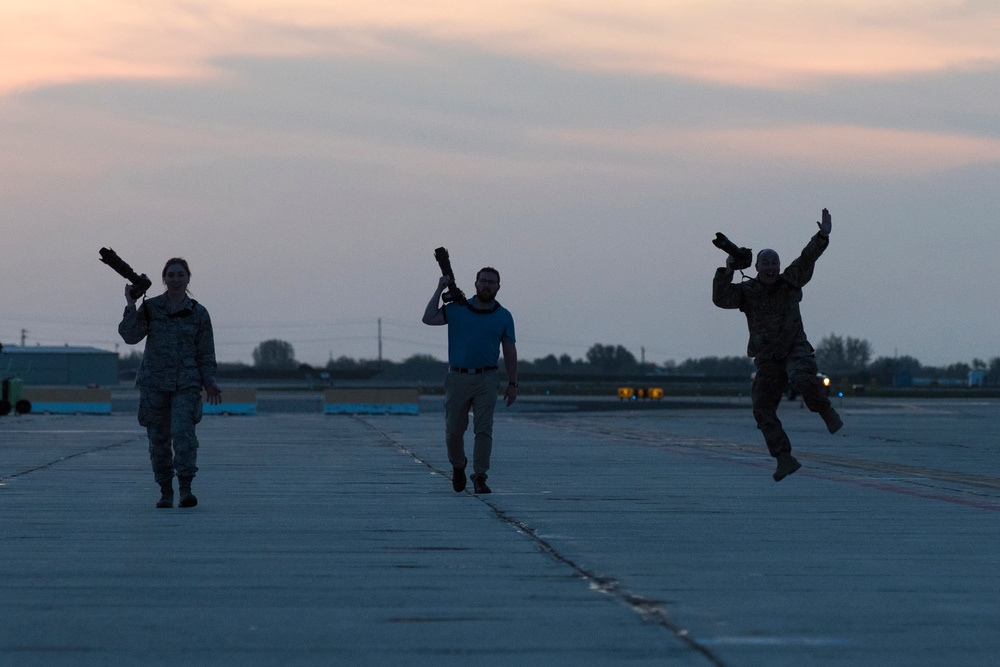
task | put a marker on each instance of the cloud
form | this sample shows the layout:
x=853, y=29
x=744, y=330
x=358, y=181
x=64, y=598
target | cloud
x=773, y=43
x=309, y=177
x=468, y=114
x=823, y=148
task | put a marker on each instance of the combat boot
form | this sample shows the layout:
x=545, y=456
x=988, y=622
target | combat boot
x=833, y=420
x=787, y=464
x=188, y=499
x=166, y=495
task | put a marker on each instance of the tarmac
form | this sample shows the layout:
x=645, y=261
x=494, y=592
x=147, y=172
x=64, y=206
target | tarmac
x=620, y=537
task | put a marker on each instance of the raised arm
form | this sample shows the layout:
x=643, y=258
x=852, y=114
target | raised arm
x=433, y=315
x=724, y=293
x=133, y=326
x=800, y=271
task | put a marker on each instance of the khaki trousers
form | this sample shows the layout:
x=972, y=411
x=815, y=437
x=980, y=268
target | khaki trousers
x=464, y=392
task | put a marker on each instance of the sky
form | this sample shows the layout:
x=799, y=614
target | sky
x=307, y=158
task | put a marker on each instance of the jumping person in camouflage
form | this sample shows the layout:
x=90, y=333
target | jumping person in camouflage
x=178, y=361
x=778, y=344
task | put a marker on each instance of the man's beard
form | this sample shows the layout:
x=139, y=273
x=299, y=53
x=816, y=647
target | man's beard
x=484, y=295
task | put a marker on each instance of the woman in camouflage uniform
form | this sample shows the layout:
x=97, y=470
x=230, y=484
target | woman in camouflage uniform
x=178, y=361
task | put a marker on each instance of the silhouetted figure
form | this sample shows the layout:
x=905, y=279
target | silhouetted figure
x=778, y=344
x=477, y=329
x=178, y=361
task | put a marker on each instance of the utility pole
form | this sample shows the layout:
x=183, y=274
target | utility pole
x=380, y=342
x=24, y=336
x=642, y=354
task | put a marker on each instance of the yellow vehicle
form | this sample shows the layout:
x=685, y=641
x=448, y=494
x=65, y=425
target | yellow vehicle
x=632, y=393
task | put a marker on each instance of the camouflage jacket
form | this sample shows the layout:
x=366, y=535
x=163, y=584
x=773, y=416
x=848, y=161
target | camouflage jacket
x=772, y=311
x=180, y=346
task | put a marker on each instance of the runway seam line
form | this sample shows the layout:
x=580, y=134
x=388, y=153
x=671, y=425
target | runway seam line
x=66, y=458
x=647, y=609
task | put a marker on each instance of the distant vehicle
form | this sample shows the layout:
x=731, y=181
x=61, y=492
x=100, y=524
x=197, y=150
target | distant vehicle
x=10, y=397
x=11, y=393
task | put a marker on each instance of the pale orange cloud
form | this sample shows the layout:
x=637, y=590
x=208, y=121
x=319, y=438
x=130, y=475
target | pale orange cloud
x=834, y=148
x=766, y=42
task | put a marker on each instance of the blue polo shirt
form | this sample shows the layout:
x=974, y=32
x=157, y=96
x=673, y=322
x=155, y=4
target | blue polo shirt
x=474, y=337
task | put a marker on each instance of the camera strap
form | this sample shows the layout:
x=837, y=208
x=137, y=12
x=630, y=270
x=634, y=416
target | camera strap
x=483, y=311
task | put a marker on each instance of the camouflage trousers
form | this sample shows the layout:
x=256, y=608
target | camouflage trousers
x=170, y=418
x=769, y=384
x=464, y=392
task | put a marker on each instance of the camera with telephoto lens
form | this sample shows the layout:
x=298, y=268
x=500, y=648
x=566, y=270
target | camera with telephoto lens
x=139, y=282
x=742, y=257
x=453, y=293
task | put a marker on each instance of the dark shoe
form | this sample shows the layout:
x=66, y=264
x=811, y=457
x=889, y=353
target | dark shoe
x=458, y=479
x=188, y=499
x=166, y=496
x=786, y=466
x=833, y=420
x=479, y=485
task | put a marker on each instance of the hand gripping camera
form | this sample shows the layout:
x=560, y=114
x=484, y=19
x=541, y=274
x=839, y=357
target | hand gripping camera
x=139, y=282
x=453, y=293
x=742, y=257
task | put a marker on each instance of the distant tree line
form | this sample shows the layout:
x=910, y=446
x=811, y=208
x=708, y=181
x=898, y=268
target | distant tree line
x=836, y=356
x=849, y=357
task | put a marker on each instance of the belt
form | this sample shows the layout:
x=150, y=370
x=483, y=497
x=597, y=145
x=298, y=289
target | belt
x=471, y=371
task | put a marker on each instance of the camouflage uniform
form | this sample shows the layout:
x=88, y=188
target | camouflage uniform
x=778, y=344
x=178, y=361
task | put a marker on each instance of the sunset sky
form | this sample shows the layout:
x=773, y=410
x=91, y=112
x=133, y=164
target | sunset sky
x=307, y=157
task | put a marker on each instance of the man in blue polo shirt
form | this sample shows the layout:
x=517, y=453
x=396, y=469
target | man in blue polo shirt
x=477, y=330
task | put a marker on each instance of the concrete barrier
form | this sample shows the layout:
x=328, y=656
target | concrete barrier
x=371, y=402
x=235, y=401
x=69, y=400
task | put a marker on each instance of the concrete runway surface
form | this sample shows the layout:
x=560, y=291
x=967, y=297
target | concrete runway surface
x=646, y=537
